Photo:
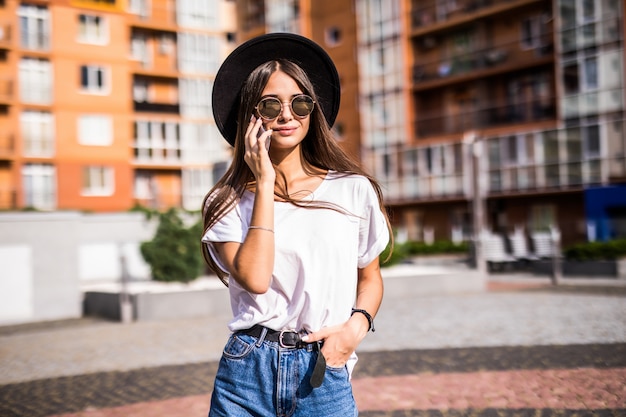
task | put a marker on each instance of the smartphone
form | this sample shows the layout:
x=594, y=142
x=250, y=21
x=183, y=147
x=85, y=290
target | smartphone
x=268, y=140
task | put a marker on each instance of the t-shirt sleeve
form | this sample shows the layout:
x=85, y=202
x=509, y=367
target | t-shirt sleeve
x=373, y=232
x=228, y=229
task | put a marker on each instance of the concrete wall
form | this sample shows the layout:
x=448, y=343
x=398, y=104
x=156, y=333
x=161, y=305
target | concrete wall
x=46, y=258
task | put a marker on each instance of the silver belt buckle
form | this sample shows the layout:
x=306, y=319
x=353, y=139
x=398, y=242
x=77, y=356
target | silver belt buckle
x=281, y=343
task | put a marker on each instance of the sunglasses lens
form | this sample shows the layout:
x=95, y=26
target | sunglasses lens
x=269, y=108
x=302, y=105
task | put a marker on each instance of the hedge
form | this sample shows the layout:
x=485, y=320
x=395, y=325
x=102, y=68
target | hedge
x=402, y=251
x=596, y=251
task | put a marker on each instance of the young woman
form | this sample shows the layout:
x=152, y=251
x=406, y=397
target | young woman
x=295, y=229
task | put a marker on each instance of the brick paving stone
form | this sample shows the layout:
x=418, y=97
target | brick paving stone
x=518, y=389
x=197, y=405
x=443, y=379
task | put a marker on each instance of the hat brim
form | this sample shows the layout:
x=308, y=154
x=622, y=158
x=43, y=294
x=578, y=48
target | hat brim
x=245, y=58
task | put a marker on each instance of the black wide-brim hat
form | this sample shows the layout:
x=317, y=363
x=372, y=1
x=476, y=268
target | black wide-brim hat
x=246, y=57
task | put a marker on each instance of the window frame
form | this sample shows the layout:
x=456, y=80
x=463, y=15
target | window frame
x=94, y=30
x=91, y=175
x=102, y=81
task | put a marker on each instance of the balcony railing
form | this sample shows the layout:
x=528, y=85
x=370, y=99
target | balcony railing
x=432, y=14
x=486, y=117
x=501, y=56
x=156, y=107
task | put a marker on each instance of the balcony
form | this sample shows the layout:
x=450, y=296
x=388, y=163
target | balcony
x=156, y=107
x=432, y=18
x=437, y=123
x=479, y=64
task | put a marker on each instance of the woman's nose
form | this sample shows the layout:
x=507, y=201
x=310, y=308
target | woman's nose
x=285, y=111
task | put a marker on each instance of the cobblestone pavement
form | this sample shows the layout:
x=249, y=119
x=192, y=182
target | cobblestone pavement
x=523, y=348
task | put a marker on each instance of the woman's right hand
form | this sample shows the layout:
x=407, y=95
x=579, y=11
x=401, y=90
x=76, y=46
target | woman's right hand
x=257, y=154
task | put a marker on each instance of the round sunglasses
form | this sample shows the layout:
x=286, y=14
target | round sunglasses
x=270, y=108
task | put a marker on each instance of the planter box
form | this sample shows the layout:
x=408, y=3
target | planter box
x=598, y=269
x=157, y=300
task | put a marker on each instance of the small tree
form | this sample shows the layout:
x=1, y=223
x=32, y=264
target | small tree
x=173, y=254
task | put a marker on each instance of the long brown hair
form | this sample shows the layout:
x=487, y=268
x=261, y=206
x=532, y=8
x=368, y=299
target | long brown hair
x=319, y=151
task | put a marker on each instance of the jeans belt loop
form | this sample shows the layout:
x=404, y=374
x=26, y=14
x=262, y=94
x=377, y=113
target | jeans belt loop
x=261, y=338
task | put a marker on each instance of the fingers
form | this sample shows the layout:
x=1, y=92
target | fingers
x=317, y=336
x=256, y=135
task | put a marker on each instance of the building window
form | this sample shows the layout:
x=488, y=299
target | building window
x=282, y=15
x=141, y=90
x=92, y=29
x=333, y=36
x=199, y=53
x=144, y=186
x=95, y=130
x=195, y=98
x=139, y=49
x=35, y=81
x=93, y=79
x=198, y=14
x=139, y=7
x=166, y=43
x=34, y=27
x=39, y=182
x=196, y=182
x=157, y=142
x=37, y=128
x=98, y=181
x=542, y=217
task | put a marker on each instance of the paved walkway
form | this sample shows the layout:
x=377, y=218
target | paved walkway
x=521, y=348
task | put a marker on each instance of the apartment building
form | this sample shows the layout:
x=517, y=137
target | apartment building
x=502, y=115
x=520, y=100
x=511, y=109
x=105, y=105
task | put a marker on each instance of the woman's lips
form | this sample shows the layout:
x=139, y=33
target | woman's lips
x=285, y=131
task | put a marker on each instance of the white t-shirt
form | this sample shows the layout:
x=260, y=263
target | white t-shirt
x=317, y=253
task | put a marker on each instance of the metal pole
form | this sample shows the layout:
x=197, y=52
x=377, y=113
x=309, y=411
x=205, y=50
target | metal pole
x=477, y=200
x=126, y=307
x=555, y=240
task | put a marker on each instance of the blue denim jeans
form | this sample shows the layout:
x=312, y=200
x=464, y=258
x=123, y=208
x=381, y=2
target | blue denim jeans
x=261, y=379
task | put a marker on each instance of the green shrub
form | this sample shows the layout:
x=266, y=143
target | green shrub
x=398, y=255
x=596, y=251
x=173, y=254
x=438, y=247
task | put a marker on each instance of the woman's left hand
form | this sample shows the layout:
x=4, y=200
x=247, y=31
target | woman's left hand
x=339, y=342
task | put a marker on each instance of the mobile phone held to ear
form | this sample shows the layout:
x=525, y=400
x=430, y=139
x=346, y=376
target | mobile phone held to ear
x=268, y=140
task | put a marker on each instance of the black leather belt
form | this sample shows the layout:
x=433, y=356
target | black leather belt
x=284, y=338
x=291, y=339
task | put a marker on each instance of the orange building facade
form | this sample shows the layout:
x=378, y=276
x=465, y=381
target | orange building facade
x=106, y=105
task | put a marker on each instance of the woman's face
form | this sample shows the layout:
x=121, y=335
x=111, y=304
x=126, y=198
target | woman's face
x=288, y=128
